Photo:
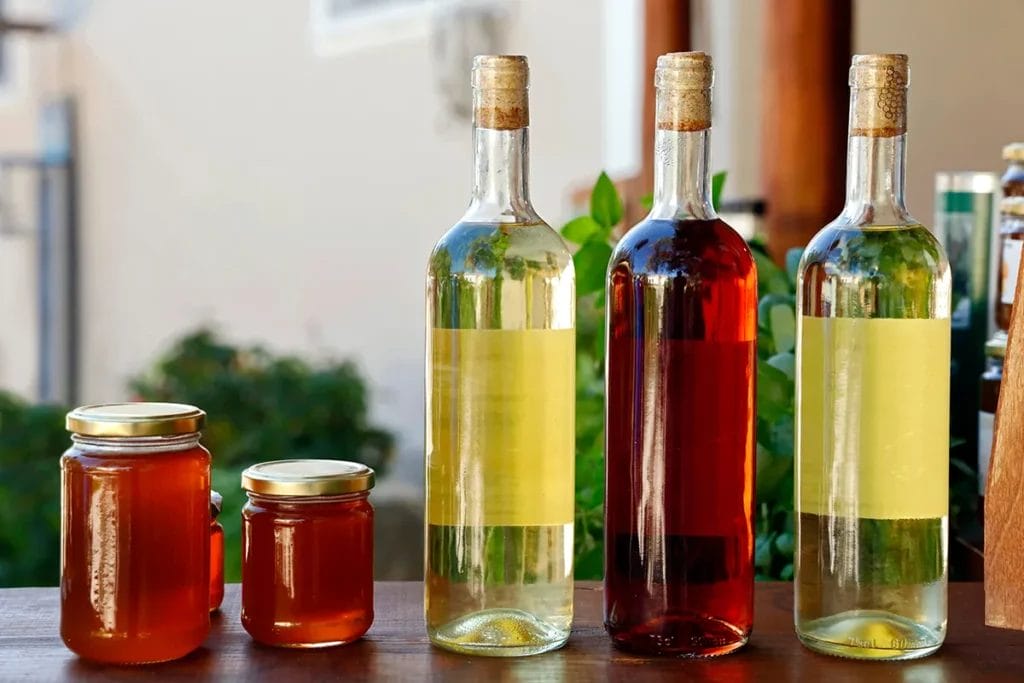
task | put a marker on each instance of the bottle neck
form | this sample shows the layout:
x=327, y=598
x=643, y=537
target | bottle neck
x=875, y=158
x=500, y=176
x=682, y=185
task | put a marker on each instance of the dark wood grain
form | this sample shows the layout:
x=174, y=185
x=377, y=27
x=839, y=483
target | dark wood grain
x=396, y=649
x=804, y=121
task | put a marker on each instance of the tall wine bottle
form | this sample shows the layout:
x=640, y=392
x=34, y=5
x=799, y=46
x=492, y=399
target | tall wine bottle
x=872, y=393
x=500, y=401
x=682, y=324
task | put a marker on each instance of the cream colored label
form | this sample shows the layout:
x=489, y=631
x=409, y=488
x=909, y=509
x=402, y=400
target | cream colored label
x=501, y=427
x=1010, y=264
x=874, y=418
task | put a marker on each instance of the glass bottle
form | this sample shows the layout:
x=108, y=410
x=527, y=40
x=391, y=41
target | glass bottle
x=682, y=324
x=872, y=392
x=500, y=401
x=1011, y=240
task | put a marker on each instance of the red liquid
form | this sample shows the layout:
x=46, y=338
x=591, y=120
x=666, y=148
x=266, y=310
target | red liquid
x=679, y=499
x=307, y=569
x=216, y=566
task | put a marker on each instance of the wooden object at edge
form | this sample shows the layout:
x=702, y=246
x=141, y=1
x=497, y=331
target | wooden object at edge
x=1004, y=492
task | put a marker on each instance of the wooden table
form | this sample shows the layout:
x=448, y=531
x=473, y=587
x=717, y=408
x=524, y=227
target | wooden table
x=396, y=649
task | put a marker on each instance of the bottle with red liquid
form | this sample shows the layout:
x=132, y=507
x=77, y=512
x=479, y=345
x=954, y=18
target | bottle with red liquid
x=682, y=322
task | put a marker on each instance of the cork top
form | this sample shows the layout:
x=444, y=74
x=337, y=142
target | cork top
x=683, y=80
x=500, y=92
x=879, y=104
x=1014, y=152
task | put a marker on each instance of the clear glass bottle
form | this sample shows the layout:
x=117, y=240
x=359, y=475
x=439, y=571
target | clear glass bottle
x=682, y=326
x=873, y=350
x=500, y=401
x=1011, y=240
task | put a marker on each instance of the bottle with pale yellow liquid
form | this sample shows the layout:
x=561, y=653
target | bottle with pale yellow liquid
x=500, y=401
x=873, y=353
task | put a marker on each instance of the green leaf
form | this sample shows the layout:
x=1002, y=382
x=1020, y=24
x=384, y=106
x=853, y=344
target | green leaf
x=770, y=278
x=605, y=203
x=581, y=229
x=786, y=362
x=647, y=201
x=591, y=265
x=783, y=327
x=793, y=263
x=717, y=183
x=774, y=392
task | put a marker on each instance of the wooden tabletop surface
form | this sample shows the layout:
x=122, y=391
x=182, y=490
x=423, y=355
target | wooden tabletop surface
x=396, y=649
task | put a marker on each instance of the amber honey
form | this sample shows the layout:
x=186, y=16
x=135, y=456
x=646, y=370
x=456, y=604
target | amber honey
x=135, y=499
x=307, y=565
x=216, y=553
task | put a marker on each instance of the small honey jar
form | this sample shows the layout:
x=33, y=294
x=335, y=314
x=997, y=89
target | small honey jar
x=307, y=552
x=216, y=552
x=135, y=530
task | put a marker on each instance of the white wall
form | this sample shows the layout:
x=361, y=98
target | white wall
x=230, y=176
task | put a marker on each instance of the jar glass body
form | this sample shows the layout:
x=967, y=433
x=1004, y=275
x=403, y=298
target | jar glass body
x=307, y=569
x=1011, y=240
x=135, y=519
x=216, y=565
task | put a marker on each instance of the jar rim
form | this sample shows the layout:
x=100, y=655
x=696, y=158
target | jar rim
x=307, y=477
x=135, y=419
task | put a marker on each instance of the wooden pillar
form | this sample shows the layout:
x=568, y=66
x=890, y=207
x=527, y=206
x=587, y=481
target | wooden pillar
x=666, y=29
x=804, y=125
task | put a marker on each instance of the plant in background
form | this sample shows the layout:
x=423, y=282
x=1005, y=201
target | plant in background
x=595, y=235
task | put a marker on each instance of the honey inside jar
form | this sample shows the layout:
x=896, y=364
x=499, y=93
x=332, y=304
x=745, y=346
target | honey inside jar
x=135, y=520
x=307, y=565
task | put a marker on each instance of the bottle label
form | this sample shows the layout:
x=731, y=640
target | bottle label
x=986, y=427
x=873, y=418
x=501, y=427
x=1010, y=263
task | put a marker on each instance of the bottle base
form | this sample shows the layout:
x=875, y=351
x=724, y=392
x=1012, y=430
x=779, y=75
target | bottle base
x=869, y=634
x=499, y=633
x=686, y=637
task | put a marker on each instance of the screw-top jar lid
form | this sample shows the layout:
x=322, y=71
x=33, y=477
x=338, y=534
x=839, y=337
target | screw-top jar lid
x=1012, y=206
x=1014, y=152
x=135, y=419
x=216, y=504
x=307, y=478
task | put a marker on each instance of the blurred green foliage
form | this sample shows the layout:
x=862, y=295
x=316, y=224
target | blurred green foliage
x=260, y=407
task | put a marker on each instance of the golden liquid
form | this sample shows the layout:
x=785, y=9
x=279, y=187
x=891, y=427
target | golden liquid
x=872, y=457
x=500, y=441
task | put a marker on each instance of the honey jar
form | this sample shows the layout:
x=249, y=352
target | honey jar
x=307, y=552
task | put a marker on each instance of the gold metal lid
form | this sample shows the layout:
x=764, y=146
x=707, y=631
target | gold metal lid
x=501, y=92
x=307, y=478
x=1014, y=151
x=1012, y=206
x=684, y=80
x=135, y=419
x=879, y=104
x=996, y=346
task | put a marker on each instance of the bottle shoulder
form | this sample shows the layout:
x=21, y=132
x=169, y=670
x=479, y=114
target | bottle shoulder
x=875, y=250
x=672, y=247
x=491, y=248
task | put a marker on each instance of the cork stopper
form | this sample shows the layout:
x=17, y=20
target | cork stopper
x=879, y=105
x=500, y=92
x=683, y=81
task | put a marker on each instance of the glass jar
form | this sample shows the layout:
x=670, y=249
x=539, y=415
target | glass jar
x=991, y=381
x=1011, y=240
x=1013, y=179
x=135, y=520
x=307, y=552
x=216, y=552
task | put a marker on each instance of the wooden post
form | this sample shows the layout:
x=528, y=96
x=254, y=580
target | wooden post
x=1004, y=492
x=806, y=102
